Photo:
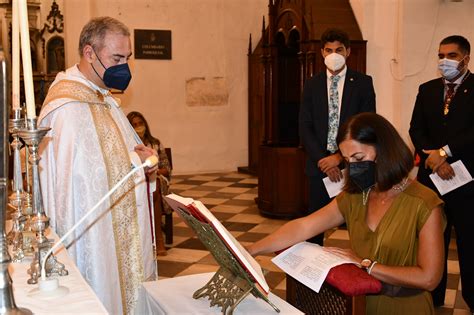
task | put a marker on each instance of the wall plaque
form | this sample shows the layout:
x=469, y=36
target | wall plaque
x=152, y=44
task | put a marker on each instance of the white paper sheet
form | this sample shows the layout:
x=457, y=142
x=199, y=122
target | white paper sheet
x=308, y=263
x=461, y=177
x=334, y=188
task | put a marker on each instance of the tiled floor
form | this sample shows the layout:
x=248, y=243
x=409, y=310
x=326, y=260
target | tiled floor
x=230, y=196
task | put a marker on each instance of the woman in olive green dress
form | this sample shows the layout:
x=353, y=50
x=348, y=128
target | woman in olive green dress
x=395, y=224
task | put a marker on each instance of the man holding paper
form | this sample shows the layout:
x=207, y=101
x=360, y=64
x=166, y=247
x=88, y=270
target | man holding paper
x=442, y=131
x=329, y=99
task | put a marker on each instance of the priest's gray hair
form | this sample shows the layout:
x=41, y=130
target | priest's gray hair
x=93, y=33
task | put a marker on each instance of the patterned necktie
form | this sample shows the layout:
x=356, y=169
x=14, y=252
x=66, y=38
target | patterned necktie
x=448, y=97
x=333, y=118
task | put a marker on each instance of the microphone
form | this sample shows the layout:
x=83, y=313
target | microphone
x=48, y=286
x=151, y=161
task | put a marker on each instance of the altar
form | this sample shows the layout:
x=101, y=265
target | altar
x=81, y=299
x=175, y=296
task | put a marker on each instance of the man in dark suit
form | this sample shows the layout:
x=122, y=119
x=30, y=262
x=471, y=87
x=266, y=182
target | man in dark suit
x=442, y=131
x=329, y=99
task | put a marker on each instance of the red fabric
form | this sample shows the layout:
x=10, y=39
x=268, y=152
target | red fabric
x=417, y=159
x=353, y=281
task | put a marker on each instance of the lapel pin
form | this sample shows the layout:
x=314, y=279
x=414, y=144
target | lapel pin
x=351, y=79
x=465, y=91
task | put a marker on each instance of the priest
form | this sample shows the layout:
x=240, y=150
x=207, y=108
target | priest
x=90, y=147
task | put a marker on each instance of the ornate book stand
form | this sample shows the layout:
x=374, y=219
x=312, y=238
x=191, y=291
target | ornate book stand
x=231, y=283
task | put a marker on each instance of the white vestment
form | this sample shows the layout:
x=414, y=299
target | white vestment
x=113, y=249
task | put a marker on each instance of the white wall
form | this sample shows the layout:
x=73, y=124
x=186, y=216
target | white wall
x=209, y=39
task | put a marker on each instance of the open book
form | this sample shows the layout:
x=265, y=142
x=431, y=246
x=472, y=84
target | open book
x=199, y=211
x=308, y=263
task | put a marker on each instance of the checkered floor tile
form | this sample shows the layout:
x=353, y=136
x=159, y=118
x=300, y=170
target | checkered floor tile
x=230, y=196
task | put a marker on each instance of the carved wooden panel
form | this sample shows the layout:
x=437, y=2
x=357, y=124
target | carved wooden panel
x=282, y=183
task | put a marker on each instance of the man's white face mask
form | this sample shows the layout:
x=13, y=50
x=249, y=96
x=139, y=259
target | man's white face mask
x=334, y=61
x=449, y=68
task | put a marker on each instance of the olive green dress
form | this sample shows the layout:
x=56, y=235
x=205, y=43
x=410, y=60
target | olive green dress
x=394, y=242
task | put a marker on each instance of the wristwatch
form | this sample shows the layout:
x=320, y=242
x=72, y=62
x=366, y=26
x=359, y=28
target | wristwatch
x=365, y=263
x=442, y=153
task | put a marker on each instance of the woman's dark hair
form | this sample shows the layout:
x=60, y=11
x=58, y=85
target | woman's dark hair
x=394, y=159
x=147, y=138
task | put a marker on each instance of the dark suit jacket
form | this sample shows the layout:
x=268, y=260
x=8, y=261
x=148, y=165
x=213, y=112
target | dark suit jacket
x=430, y=129
x=358, y=96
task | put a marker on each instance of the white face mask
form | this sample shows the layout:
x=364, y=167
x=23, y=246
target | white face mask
x=449, y=68
x=334, y=61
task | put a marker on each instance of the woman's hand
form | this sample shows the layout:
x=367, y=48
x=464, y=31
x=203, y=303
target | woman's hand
x=345, y=253
x=248, y=249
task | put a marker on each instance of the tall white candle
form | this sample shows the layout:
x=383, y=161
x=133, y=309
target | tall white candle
x=26, y=58
x=15, y=56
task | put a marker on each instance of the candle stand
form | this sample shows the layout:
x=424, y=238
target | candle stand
x=32, y=135
x=7, y=300
x=18, y=200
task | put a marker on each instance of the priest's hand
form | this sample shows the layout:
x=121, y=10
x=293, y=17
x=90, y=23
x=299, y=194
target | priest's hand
x=144, y=152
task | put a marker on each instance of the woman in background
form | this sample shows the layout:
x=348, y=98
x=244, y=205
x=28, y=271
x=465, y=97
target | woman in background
x=163, y=175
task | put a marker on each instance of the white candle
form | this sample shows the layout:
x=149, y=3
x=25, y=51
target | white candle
x=26, y=58
x=15, y=56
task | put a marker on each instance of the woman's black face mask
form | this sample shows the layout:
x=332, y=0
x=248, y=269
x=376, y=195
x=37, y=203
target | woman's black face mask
x=362, y=174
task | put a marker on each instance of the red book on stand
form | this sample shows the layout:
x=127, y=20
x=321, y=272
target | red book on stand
x=199, y=211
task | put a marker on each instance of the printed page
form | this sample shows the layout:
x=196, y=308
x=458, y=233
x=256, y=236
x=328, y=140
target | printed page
x=308, y=263
x=461, y=177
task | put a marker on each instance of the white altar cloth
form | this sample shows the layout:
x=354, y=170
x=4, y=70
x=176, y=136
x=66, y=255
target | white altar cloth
x=175, y=296
x=80, y=299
